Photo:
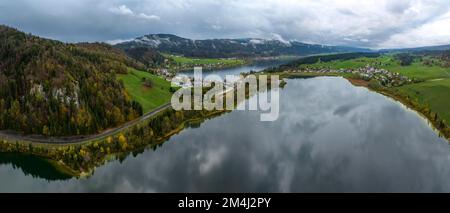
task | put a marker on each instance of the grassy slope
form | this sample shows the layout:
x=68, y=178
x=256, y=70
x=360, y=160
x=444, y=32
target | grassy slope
x=419, y=71
x=434, y=92
x=207, y=61
x=149, y=98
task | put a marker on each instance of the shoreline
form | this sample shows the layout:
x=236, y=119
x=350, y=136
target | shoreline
x=247, y=62
x=80, y=160
x=401, y=98
x=416, y=107
x=159, y=141
x=177, y=70
x=66, y=169
x=53, y=152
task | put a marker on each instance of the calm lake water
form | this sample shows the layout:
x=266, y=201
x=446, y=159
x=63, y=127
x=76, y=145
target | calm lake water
x=236, y=71
x=330, y=137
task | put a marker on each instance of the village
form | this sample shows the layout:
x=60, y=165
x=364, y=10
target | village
x=385, y=77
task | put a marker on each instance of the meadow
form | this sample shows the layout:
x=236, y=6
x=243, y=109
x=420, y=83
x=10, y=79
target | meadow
x=435, y=94
x=149, y=97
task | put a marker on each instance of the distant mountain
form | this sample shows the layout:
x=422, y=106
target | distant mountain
x=53, y=88
x=418, y=49
x=225, y=48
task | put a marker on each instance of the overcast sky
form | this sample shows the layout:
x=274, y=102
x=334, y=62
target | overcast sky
x=365, y=23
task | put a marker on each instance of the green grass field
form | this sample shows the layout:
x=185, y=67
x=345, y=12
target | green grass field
x=433, y=93
x=149, y=98
x=419, y=71
x=185, y=61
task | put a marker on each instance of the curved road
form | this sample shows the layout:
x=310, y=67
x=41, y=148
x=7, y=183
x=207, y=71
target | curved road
x=14, y=136
x=6, y=135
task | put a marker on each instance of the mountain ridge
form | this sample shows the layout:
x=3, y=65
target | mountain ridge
x=223, y=48
x=416, y=49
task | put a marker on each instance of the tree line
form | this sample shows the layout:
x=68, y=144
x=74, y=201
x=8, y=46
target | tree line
x=85, y=157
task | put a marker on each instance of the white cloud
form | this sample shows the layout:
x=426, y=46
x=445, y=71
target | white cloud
x=121, y=10
x=210, y=159
x=116, y=41
x=148, y=17
x=279, y=38
x=370, y=23
x=126, y=11
x=436, y=32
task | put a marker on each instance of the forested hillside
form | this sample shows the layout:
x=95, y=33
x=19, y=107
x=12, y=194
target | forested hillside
x=52, y=88
x=229, y=48
x=147, y=56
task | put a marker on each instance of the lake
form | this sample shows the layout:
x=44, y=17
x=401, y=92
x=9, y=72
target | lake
x=236, y=71
x=330, y=137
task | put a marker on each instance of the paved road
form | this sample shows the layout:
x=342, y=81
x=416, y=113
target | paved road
x=14, y=136
x=79, y=139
